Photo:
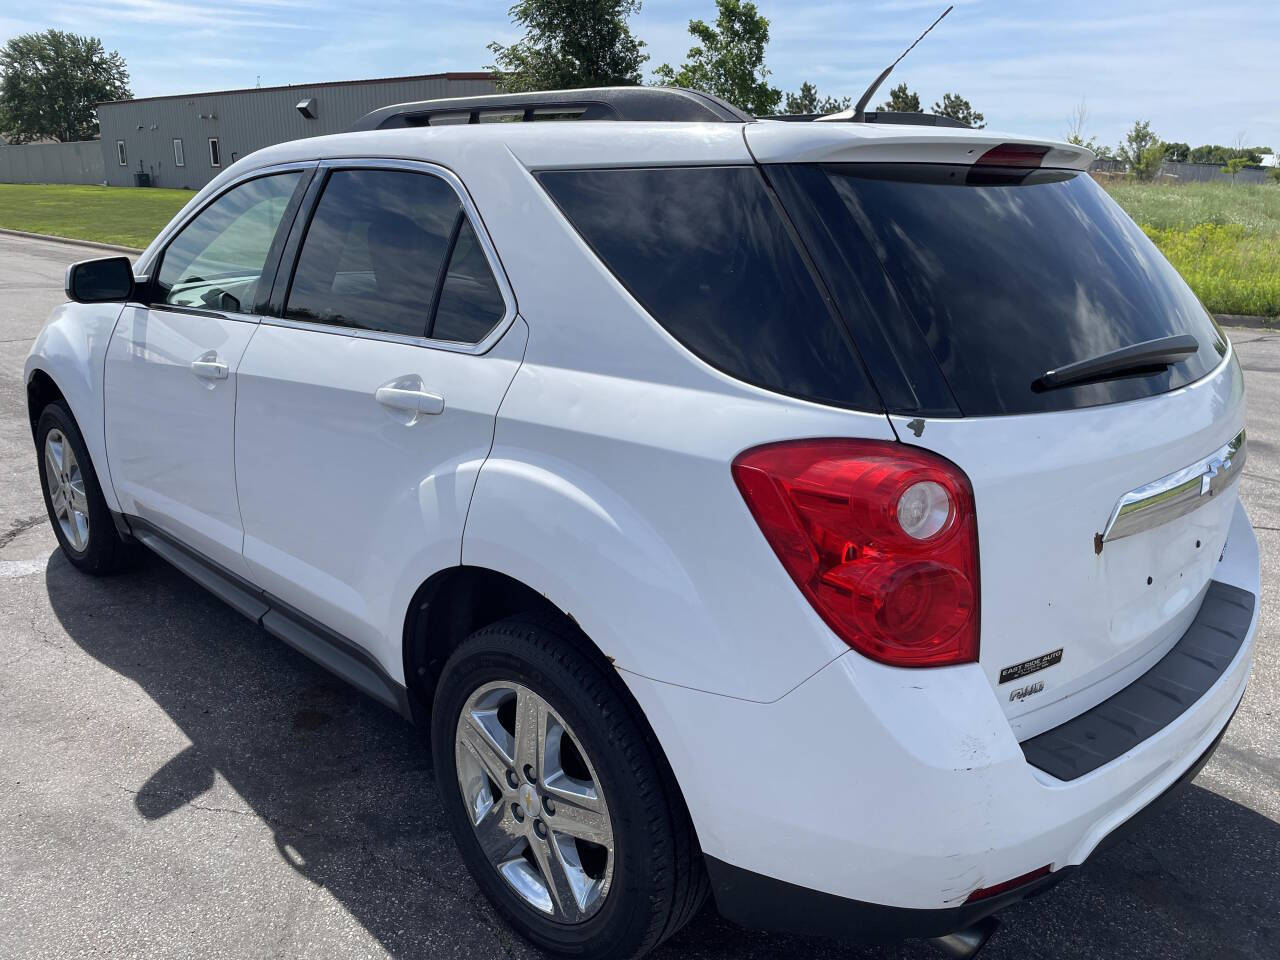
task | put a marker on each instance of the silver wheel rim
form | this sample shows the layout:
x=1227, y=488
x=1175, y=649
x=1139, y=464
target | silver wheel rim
x=65, y=483
x=535, y=802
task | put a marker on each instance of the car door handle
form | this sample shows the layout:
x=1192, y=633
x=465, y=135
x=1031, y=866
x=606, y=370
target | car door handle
x=415, y=401
x=209, y=368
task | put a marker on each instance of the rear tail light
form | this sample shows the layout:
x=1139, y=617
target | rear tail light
x=880, y=537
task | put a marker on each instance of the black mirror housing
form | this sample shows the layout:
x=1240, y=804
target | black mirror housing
x=108, y=280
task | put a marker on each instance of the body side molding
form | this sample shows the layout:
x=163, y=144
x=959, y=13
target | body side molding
x=335, y=653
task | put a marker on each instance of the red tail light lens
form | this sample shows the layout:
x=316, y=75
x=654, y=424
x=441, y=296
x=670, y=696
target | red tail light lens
x=1013, y=155
x=880, y=537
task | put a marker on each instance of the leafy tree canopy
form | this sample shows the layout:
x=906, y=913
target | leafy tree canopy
x=569, y=44
x=902, y=100
x=958, y=108
x=50, y=83
x=728, y=60
x=806, y=100
x=1215, y=153
x=1142, y=151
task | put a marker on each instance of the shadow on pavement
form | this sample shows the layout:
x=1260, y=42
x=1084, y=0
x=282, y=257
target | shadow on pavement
x=347, y=788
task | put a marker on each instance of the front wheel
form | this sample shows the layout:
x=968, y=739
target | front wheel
x=77, y=510
x=569, y=822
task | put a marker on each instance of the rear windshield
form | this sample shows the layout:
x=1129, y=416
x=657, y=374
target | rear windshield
x=707, y=252
x=1006, y=275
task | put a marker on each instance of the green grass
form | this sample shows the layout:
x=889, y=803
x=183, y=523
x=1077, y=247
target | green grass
x=1223, y=239
x=122, y=215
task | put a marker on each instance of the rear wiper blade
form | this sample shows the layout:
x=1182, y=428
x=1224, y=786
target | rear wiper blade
x=1148, y=355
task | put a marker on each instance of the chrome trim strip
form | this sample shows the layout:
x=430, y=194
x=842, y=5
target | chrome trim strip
x=1177, y=494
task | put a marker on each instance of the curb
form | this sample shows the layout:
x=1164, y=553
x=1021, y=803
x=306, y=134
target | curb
x=68, y=240
x=1251, y=323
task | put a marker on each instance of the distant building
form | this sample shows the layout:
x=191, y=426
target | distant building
x=184, y=141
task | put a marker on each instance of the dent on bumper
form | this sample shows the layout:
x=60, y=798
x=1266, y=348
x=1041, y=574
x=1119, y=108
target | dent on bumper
x=908, y=789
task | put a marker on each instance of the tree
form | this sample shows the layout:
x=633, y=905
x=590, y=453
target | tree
x=1075, y=131
x=568, y=44
x=901, y=100
x=729, y=59
x=1177, y=152
x=806, y=100
x=50, y=83
x=1274, y=174
x=1234, y=166
x=1142, y=151
x=957, y=108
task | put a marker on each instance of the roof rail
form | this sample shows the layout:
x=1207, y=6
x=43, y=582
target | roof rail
x=883, y=116
x=592, y=103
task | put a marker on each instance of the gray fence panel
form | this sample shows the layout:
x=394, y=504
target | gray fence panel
x=1171, y=171
x=79, y=162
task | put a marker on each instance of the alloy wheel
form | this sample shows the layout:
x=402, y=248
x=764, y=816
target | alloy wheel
x=534, y=801
x=65, y=482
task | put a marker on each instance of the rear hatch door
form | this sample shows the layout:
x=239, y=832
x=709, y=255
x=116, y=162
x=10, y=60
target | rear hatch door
x=964, y=283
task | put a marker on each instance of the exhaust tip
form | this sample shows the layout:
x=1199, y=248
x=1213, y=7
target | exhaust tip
x=968, y=942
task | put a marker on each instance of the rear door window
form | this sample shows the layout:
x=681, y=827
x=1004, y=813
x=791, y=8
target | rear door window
x=373, y=252
x=1007, y=274
x=470, y=302
x=706, y=251
x=394, y=251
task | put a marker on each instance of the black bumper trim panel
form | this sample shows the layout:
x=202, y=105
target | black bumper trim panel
x=764, y=903
x=1157, y=698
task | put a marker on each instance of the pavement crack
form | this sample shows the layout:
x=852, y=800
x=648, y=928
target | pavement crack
x=203, y=807
x=18, y=528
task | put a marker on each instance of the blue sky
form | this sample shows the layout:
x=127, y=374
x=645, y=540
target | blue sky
x=1200, y=72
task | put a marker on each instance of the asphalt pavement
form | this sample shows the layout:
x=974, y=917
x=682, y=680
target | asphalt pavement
x=176, y=783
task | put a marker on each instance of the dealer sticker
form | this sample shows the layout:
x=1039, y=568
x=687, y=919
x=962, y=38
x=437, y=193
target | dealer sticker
x=1028, y=667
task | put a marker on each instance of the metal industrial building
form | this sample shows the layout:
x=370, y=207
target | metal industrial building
x=184, y=141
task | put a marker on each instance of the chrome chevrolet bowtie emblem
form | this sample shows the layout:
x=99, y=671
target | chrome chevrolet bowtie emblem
x=1211, y=471
x=1174, y=495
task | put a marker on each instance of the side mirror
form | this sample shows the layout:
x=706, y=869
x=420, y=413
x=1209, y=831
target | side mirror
x=100, y=281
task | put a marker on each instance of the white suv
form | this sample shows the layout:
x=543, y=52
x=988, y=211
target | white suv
x=840, y=518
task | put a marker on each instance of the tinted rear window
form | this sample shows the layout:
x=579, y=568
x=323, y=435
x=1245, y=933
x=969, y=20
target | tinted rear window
x=1010, y=274
x=706, y=252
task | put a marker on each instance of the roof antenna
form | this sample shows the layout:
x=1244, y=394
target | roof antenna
x=859, y=111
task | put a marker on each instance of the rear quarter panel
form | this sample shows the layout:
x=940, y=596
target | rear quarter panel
x=609, y=489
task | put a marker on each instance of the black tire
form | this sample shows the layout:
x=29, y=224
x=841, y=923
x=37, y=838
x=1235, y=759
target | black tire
x=104, y=552
x=659, y=881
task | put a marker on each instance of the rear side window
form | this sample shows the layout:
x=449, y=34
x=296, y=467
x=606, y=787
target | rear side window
x=706, y=252
x=1010, y=273
x=374, y=250
x=470, y=303
x=393, y=251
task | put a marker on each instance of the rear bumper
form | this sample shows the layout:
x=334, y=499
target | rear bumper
x=891, y=795
x=764, y=903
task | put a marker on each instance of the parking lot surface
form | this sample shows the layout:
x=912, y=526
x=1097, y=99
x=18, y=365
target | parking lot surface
x=176, y=783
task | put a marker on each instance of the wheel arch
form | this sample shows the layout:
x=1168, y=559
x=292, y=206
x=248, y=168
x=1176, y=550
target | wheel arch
x=42, y=390
x=454, y=603
x=450, y=606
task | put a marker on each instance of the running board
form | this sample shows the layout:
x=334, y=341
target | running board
x=316, y=642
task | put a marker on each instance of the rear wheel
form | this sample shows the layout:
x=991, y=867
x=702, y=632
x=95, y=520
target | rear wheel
x=567, y=819
x=77, y=510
